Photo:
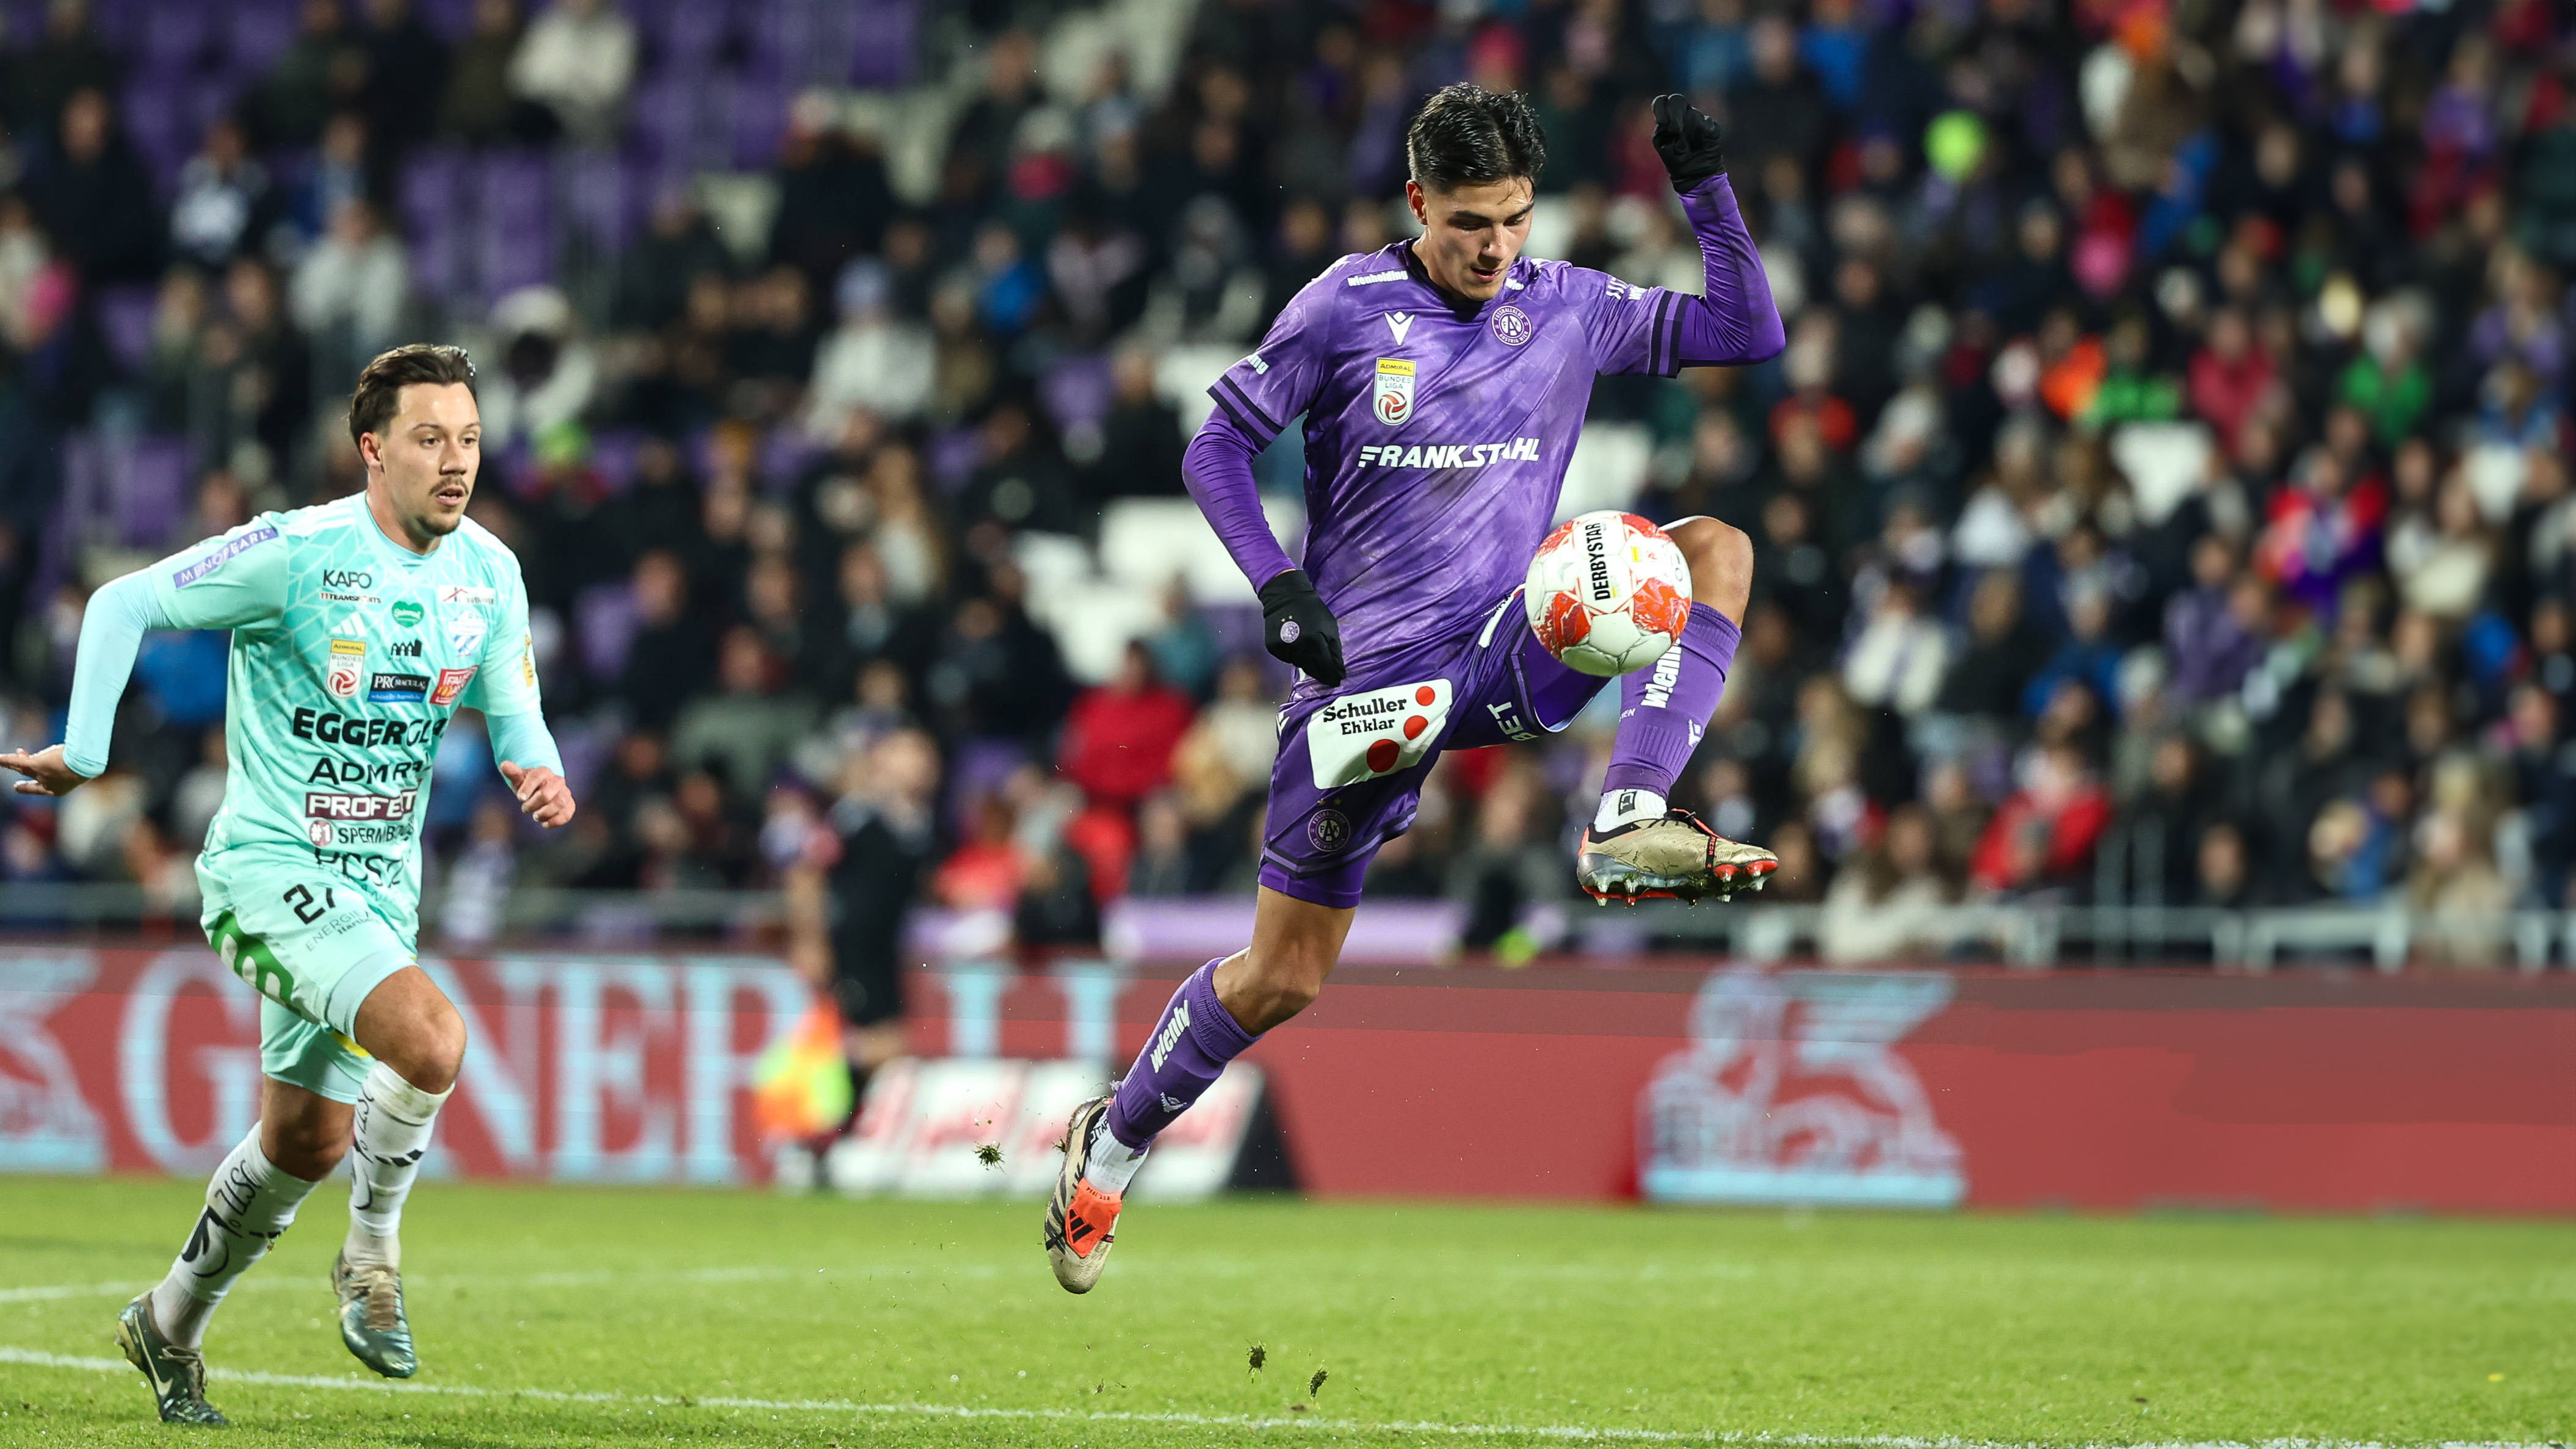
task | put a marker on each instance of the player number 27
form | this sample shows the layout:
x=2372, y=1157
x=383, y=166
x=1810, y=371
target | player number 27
x=301, y=898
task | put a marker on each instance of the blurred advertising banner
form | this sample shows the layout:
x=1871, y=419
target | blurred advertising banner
x=582, y=1068
x=1683, y=1080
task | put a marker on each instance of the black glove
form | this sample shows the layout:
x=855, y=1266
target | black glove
x=1297, y=629
x=1692, y=145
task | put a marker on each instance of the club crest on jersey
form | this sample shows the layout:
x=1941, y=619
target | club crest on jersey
x=1394, y=391
x=465, y=637
x=1512, y=326
x=348, y=660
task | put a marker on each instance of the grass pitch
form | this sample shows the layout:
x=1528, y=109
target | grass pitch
x=555, y=1316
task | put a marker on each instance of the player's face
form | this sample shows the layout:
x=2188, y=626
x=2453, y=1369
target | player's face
x=428, y=455
x=1471, y=234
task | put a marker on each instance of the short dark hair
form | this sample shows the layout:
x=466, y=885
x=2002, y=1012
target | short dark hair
x=1468, y=135
x=380, y=383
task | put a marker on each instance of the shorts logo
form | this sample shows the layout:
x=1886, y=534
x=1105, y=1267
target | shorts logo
x=1378, y=732
x=1512, y=326
x=1394, y=390
x=348, y=657
x=451, y=683
x=396, y=688
x=219, y=557
x=407, y=612
x=465, y=593
x=1328, y=830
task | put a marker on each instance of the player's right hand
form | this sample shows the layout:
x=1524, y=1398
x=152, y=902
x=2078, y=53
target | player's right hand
x=1693, y=145
x=1298, y=630
x=46, y=771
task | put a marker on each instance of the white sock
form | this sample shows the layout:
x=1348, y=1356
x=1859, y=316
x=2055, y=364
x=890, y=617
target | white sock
x=1113, y=1163
x=1619, y=807
x=394, y=1119
x=249, y=1202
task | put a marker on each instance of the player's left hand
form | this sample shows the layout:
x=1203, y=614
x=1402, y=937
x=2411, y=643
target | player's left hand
x=1692, y=144
x=543, y=795
x=46, y=771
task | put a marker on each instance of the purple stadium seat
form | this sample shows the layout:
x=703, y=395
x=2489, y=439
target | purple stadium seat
x=125, y=316
x=612, y=454
x=784, y=454
x=605, y=621
x=256, y=33
x=1077, y=389
x=171, y=39
x=1237, y=627
x=667, y=118
x=149, y=490
x=451, y=20
x=514, y=243
x=207, y=98
x=885, y=35
x=977, y=769
x=598, y=204
x=759, y=118
x=160, y=132
x=685, y=38
x=433, y=222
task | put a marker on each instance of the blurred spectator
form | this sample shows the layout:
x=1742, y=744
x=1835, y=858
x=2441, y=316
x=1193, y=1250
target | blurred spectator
x=1119, y=737
x=2042, y=836
x=478, y=105
x=349, y=290
x=874, y=361
x=872, y=861
x=577, y=60
x=1139, y=443
x=92, y=194
x=67, y=57
x=749, y=728
x=1877, y=907
x=325, y=68
x=225, y=204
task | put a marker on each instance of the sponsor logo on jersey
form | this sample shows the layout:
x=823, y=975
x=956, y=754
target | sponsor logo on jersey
x=348, y=657
x=1512, y=326
x=353, y=580
x=1371, y=279
x=223, y=555
x=1628, y=291
x=1172, y=1032
x=407, y=612
x=1448, y=455
x=325, y=805
x=398, y=773
x=396, y=688
x=324, y=833
x=1399, y=323
x=465, y=637
x=1375, y=732
x=451, y=683
x=362, y=732
x=404, y=649
x=1394, y=390
x=1254, y=361
x=465, y=593
x=329, y=597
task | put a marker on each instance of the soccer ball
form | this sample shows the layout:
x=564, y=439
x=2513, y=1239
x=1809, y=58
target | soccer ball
x=1608, y=592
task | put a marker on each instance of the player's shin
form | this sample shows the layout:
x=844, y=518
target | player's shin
x=249, y=1201
x=1663, y=711
x=393, y=1125
x=1187, y=1052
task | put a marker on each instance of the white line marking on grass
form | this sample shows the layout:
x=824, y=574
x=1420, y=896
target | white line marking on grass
x=1581, y=1432
x=586, y=1278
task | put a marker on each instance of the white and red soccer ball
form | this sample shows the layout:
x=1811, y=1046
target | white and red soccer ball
x=1608, y=592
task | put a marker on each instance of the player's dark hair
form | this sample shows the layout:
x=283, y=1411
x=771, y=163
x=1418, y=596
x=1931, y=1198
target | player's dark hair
x=1467, y=135
x=380, y=384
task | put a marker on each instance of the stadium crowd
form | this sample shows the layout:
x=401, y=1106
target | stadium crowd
x=2163, y=498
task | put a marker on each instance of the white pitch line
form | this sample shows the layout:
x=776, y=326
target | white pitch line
x=1580, y=1432
x=586, y=1278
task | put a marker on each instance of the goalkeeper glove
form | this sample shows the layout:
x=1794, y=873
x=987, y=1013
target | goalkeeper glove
x=1692, y=145
x=1297, y=629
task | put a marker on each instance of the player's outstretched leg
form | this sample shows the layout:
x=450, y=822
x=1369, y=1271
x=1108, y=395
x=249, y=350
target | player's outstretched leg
x=1638, y=846
x=419, y=1044
x=249, y=1202
x=1218, y=1013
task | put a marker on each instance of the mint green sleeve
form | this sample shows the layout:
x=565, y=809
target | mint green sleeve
x=505, y=688
x=222, y=583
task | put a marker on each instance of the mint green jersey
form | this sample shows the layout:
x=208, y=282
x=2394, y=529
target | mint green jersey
x=350, y=654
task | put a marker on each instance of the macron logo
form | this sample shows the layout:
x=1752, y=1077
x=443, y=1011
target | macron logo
x=1371, y=279
x=1399, y=323
x=1172, y=1030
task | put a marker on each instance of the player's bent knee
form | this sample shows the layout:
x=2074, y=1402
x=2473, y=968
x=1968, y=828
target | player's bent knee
x=1721, y=563
x=309, y=1150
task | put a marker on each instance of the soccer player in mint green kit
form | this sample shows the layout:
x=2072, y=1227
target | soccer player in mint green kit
x=360, y=627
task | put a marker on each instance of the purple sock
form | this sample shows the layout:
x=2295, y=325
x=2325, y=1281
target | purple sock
x=1190, y=1046
x=1664, y=710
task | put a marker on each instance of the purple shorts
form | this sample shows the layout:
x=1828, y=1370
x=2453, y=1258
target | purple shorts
x=1352, y=762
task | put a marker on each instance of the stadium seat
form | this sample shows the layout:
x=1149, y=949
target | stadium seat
x=125, y=315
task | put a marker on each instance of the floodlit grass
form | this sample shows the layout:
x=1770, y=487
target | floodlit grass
x=697, y=1316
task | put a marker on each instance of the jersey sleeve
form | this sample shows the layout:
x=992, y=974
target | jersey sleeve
x=1630, y=327
x=233, y=582
x=1266, y=391
x=505, y=679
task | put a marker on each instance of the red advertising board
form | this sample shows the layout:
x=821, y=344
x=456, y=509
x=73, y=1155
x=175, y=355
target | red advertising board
x=1705, y=1082
x=583, y=1068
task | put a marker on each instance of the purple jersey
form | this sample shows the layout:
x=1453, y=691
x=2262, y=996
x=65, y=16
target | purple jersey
x=1436, y=439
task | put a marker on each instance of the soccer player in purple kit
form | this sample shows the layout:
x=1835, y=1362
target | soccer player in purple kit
x=1443, y=381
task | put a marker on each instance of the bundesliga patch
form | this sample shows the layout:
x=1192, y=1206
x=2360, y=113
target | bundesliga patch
x=348, y=659
x=1394, y=390
x=451, y=683
x=1362, y=736
x=396, y=688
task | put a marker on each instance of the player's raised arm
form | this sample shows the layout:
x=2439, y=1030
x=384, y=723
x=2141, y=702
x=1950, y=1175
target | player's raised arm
x=1255, y=400
x=1734, y=319
x=222, y=583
